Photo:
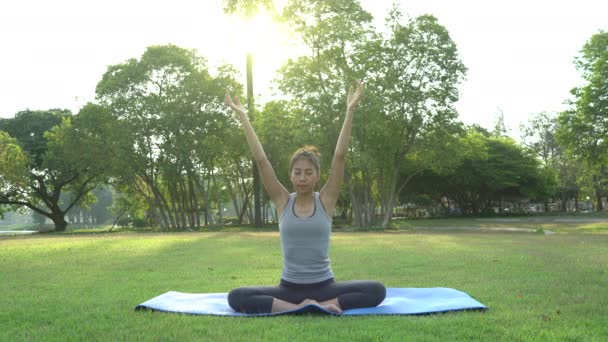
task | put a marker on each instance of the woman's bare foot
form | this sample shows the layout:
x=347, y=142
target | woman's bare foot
x=332, y=308
x=308, y=302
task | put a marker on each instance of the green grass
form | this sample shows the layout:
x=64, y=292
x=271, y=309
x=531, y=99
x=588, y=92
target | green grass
x=572, y=224
x=85, y=286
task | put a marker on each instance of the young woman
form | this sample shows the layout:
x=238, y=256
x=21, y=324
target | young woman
x=305, y=218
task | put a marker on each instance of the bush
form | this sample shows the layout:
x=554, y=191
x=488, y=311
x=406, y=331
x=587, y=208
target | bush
x=231, y=220
x=124, y=221
x=139, y=222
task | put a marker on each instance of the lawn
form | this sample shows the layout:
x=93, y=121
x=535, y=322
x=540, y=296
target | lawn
x=85, y=286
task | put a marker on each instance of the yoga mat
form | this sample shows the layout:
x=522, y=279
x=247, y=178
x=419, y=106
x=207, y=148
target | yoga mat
x=398, y=301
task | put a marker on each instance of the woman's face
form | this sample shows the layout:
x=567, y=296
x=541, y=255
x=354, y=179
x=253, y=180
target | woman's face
x=304, y=176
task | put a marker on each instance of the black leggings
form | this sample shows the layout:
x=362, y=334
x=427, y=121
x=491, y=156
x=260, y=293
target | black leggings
x=351, y=294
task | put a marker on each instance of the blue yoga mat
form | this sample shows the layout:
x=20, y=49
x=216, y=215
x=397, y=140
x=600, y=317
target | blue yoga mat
x=398, y=301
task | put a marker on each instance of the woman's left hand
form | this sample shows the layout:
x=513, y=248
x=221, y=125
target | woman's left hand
x=354, y=96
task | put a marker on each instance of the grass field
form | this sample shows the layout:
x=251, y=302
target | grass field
x=85, y=286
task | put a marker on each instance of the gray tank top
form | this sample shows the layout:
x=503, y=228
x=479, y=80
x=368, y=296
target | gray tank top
x=305, y=242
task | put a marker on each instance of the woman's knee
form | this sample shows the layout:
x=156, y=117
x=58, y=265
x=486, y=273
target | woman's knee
x=377, y=291
x=237, y=297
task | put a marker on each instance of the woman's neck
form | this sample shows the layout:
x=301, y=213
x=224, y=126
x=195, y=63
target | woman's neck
x=304, y=196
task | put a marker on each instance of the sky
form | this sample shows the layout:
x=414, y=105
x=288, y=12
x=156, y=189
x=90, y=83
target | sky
x=519, y=53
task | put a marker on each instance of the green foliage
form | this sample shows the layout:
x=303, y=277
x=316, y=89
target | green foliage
x=247, y=8
x=493, y=169
x=539, y=136
x=583, y=128
x=276, y=128
x=139, y=222
x=13, y=165
x=58, y=160
x=28, y=128
x=173, y=126
x=406, y=121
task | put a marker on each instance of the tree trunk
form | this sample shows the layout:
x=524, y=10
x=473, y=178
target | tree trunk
x=598, y=198
x=395, y=193
x=391, y=198
x=58, y=219
x=254, y=169
x=356, y=209
x=194, y=202
x=185, y=207
x=218, y=200
x=208, y=210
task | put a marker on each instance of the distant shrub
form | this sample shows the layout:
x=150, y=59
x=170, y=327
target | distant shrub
x=124, y=221
x=139, y=222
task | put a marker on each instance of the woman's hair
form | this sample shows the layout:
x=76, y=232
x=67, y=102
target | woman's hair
x=306, y=152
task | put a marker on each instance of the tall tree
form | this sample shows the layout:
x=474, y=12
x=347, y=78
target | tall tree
x=500, y=129
x=334, y=34
x=539, y=135
x=416, y=78
x=410, y=72
x=583, y=129
x=275, y=127
x=248, y=8
x=171, y=112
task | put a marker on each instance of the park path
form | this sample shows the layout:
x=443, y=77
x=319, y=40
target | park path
x=18, y=232
x=546, y=219
x=486, y=229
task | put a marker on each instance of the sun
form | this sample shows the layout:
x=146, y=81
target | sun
x=270, y=43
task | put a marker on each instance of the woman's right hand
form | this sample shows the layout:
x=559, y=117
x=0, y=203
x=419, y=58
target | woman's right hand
x=235, y=105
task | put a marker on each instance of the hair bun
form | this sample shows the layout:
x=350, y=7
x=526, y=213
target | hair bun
x=312, y=149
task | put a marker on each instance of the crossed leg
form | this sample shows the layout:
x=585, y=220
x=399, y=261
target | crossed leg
x=334, y=296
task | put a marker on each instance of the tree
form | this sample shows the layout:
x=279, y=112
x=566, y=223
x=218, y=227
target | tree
x=410, y=74
x=493, y=170
x=13, y=171
x=171, y=114
x=56, y=158
x=335, y=33
x=540, y=137
x=93, y=208
x=500, y=129
x=246, y=7
x=416, y=77
x=583, y=129
x=276, y=128
x=249, y=8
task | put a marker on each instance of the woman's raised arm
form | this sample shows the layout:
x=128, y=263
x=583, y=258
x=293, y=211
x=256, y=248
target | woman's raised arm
x=277, y=192
x=331, y=189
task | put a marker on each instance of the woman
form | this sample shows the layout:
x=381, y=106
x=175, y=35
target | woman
x=305, y=218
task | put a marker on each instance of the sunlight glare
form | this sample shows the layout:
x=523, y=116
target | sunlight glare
x=268, y=41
